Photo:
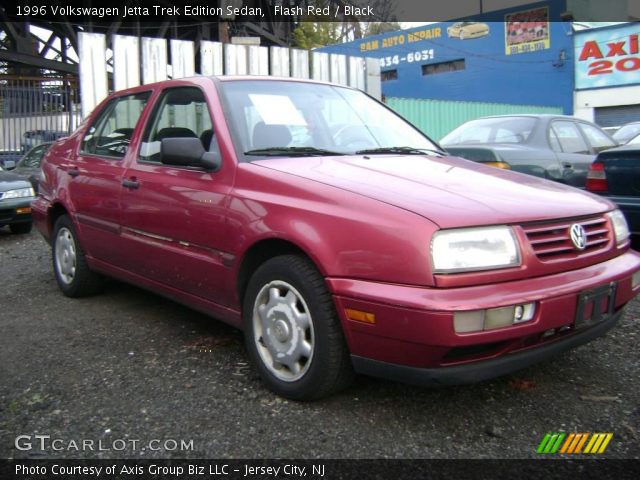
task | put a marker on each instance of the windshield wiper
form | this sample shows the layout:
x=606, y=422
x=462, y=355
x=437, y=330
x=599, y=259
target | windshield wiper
x=401, y=150
x=293, y=151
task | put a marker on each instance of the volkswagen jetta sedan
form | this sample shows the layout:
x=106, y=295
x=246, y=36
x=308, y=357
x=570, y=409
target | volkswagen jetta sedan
x=337, y=236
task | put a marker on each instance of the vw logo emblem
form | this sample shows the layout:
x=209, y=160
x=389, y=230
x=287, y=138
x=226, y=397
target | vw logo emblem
x=578, y=236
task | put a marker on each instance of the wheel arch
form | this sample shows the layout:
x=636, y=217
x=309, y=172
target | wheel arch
x=56, y=211
x=259, y=253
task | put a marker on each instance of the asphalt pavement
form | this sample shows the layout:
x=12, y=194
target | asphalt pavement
x=129, y=374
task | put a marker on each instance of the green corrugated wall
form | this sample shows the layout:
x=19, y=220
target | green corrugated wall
x=436, y=118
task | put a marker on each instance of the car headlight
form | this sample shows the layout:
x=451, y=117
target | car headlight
x=472, y=249
x=18, y=193
x=620, y=227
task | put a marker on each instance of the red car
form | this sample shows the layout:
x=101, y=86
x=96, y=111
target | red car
x=335, y=234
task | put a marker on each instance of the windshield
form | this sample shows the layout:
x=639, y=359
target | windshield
x=276, y=118
x=492, y=130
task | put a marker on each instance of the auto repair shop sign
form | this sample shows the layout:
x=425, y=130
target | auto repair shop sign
x=607, y=57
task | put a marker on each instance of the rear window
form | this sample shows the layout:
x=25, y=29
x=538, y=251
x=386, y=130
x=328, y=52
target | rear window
x=627, y=132
x=492, y=130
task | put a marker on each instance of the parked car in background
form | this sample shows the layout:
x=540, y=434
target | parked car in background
x=627, y=132
x=28, y=167
x=468, y=30
x=16, y=195
x=616, y=175
x=555, y=147
x=334, y=233
x=35, y=137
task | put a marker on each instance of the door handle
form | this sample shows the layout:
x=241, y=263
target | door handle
x=73, y=172
x=567, y=165
x=131, y=183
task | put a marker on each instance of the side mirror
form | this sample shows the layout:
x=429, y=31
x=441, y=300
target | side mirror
x=9, y=165
x=188, y=152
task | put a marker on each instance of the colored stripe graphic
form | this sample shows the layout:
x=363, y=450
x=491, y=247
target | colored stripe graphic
x=598, y=442
x=574, y=443
x=550, y=443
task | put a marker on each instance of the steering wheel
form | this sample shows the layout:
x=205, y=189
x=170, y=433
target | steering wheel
x=116, y=146
x=349, y=134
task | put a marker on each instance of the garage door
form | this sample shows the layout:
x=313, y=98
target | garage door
x=616, y=116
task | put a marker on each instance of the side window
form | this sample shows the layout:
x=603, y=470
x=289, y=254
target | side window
x=553, y=141
x=180, y=112
x=598, y=139
x=110, y=133
x=570, y=139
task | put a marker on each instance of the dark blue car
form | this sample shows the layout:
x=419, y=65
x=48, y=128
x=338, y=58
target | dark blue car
x=616, y=174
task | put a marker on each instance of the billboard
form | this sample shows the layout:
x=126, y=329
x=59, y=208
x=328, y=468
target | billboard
x=527, y=31
x=518, y=56
x=607, y=57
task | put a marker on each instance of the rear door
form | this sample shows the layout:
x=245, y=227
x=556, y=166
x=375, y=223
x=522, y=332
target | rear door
x=174, y=224
x=572, y=150
x=96, y=174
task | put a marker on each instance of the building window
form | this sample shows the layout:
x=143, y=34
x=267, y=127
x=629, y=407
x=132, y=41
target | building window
x=389, y=75
x=443, y=67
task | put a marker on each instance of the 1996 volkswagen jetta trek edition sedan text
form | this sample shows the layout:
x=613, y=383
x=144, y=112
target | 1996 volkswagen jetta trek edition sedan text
x=335, y=234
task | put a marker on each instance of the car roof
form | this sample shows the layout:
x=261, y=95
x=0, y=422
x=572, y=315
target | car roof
x=198, y=80
x=536, y=115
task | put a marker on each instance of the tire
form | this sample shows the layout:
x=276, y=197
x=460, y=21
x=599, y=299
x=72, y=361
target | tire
x=72, y=273
x=298, y=326
x=20, y=228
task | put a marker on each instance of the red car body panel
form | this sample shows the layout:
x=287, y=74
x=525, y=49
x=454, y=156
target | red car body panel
x=440, y=188
x=365, y=221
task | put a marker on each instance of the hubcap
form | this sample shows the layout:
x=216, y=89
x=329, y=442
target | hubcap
x=65, y=256
x=283, y=331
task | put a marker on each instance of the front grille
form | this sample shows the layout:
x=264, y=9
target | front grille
x=552, y=241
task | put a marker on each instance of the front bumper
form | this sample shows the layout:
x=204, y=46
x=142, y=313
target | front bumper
x=480, y=370
x=413, y=337
x=15, y=211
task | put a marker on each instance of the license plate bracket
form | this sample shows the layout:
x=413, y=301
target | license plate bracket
x=595, y=305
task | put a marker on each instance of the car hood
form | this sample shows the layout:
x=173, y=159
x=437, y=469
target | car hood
x=25, y=172
x=11, y=181
x=450, y=191
x=505, y=147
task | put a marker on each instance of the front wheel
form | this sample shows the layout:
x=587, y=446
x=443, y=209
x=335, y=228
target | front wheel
x=73, y=275
x=292, y=332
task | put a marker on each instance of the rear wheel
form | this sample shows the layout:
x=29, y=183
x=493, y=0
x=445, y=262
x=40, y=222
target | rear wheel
x=292, y=331
x=73, y=275
x=20, y=227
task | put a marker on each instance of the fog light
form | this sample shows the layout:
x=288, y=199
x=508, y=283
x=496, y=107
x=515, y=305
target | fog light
x=524, y=313
x=635, y=280
x=479, y=320
x=22, y=211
